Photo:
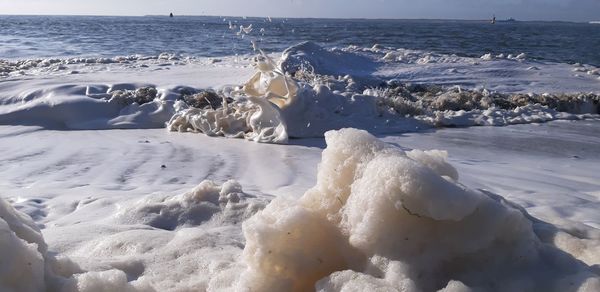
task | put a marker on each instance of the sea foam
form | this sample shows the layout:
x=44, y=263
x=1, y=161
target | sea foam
x=306, y=92
x=378, y=218
x=381, y=218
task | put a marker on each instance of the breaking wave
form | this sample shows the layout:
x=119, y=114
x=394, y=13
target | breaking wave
x=305, y=93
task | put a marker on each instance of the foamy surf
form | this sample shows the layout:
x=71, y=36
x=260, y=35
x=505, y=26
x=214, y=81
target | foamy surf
x=305, y=93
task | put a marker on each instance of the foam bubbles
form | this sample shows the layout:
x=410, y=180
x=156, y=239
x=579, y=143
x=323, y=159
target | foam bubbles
x=380, y=218
x=205, y=202
x=22, y=250
x=26, y=264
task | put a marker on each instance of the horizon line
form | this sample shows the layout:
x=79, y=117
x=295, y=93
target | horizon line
x=296, y=17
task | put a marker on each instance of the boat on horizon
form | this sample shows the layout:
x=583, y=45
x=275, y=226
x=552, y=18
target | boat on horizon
x=595, y=22
x=494, y=20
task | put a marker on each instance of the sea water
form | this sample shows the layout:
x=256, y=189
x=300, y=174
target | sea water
x=23, y=37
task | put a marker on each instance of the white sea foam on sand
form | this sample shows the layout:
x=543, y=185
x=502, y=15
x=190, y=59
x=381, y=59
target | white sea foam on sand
x=381, y=218
x=378, y=217
x=103, y=209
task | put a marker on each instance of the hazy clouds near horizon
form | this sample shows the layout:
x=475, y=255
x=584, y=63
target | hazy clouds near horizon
x=574, y=10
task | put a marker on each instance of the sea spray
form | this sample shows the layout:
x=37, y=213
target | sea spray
x=304, y=101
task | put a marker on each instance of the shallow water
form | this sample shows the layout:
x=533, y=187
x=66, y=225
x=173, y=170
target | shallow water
x=53, y=36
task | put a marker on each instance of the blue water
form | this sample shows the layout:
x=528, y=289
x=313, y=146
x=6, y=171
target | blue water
x=64, y=36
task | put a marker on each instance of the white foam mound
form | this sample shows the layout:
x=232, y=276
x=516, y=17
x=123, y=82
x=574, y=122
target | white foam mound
x=305, y=111
x=258, y=120
x=277, y=106
x=87, y=107
x=26, y=265
x=384, y=219
x=106, y=281
x=22, y=251
x=193, y=208
x=187, y=242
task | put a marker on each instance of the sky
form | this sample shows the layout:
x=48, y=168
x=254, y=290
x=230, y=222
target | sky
x=569, y=10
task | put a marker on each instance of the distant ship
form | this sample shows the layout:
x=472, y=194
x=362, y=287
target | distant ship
x=171, y=14
x=493, y=21
x=595, y=22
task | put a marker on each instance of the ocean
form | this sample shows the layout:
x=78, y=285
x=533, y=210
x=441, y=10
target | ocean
x=23, y=37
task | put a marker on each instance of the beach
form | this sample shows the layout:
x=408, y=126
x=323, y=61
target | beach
x=306, y=166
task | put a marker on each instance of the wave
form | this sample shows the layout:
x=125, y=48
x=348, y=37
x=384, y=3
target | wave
x=309, y=91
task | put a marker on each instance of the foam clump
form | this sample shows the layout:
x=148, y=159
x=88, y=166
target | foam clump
x=70, y=107
x=207, y=201
x=186, y=242
x=229, y=121
x=290, y=99
x=105, y=281
x=272, y=106
x=26, y=264
x=385, y=219
x=256, y=116
x=22, y=251
x=258, y=121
